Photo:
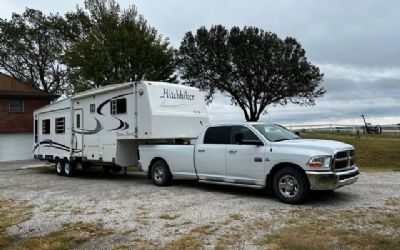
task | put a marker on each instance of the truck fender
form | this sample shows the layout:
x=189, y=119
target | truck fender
x=276, y=167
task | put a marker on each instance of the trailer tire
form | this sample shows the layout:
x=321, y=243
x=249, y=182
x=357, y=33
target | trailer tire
x=160, y=174
x=106, y=170
x=290, y=185
x=59, y=168
x=68, y=169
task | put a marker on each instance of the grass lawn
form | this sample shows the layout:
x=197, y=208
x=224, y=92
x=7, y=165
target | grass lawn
x=69, y=236
x=373, y=152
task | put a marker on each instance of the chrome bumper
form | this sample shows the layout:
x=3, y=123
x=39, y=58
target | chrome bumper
x=332, y=180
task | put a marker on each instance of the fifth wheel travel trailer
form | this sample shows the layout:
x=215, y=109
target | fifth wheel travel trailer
x=105, y=126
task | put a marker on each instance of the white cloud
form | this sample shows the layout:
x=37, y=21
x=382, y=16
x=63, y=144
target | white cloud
x=358, y=73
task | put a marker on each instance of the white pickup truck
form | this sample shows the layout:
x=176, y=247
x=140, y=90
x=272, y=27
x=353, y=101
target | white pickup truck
x=254, y=155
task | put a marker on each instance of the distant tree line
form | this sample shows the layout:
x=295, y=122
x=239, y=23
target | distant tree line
x=100, y=44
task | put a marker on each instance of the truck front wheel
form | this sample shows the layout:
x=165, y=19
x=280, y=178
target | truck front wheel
x=160, y=173
x=290, y=186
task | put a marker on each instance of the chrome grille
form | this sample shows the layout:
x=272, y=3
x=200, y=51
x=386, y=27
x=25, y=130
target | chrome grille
x=344, y=159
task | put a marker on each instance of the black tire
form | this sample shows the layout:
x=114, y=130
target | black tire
x=291, y=186
x=116, y=169
x=107, y=170
x=60, y=168
x=69, y=169
x=160, y=174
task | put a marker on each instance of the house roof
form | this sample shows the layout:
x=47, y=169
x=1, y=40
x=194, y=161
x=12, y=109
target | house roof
x=10, y=86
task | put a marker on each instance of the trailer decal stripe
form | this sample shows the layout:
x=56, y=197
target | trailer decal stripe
x=97, y=129
x=100, y=107
x=49, y=143
x=122, y=124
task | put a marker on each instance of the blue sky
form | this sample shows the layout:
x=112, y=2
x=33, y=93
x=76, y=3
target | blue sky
x=355, y=44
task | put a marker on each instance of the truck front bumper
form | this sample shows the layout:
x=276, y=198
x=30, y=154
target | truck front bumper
x=332, y=180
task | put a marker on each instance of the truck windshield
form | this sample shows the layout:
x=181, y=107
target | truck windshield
x=275, y=133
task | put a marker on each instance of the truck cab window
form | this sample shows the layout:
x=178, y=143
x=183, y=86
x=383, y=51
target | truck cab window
x=246, y=132
x=217, y=135
x=118, y=106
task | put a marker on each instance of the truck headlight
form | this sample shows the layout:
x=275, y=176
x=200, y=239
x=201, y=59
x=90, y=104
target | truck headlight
x=320, y=162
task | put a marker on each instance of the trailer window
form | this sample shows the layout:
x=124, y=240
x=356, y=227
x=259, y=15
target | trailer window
x=78, y=120
x=217, y=135
x=92, y=108
x=36, y=130
x=118, y=106
x=60, y=125
x=46, y=126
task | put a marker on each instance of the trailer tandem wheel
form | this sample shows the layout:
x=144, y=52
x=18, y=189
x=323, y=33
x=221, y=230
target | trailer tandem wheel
x=68, y=169
x=60, y=167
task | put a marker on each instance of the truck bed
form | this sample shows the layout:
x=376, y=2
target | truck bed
x=180, y=158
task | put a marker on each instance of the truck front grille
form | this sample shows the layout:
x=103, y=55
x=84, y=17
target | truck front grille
x=344, y=159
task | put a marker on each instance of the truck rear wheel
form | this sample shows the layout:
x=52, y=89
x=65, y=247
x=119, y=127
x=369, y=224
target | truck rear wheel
x=290, y=186
x=160, y=173
x=60, y=168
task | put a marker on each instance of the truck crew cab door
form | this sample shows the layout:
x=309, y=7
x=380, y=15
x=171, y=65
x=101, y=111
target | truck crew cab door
x=210, y=156
x=245, y=162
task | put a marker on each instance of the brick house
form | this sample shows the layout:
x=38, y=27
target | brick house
x=18, y=100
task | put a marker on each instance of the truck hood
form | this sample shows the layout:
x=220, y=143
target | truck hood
x=324, y=146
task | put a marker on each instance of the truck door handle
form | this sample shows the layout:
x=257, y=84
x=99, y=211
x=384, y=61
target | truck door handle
x=232, y=151
x=201, y=150
x=258, y=159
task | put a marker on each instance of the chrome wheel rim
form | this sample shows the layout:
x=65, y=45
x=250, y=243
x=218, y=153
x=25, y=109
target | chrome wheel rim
x=288, y=186
x=159, y=174
x=58, y=166
x=67, y=168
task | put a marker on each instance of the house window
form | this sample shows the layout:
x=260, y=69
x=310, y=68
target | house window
x=92, y=108
x=60, y=125
x=118, y=106
x=46, y=126
x=16, y=105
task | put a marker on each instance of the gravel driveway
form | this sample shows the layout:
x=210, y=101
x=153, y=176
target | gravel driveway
x=133, y=207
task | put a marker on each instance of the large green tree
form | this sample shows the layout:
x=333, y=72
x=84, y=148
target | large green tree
x=31, y=49
x=110, y=45
x=253, y=67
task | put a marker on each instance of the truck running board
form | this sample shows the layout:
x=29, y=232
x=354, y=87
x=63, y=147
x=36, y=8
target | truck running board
x=232, y=184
